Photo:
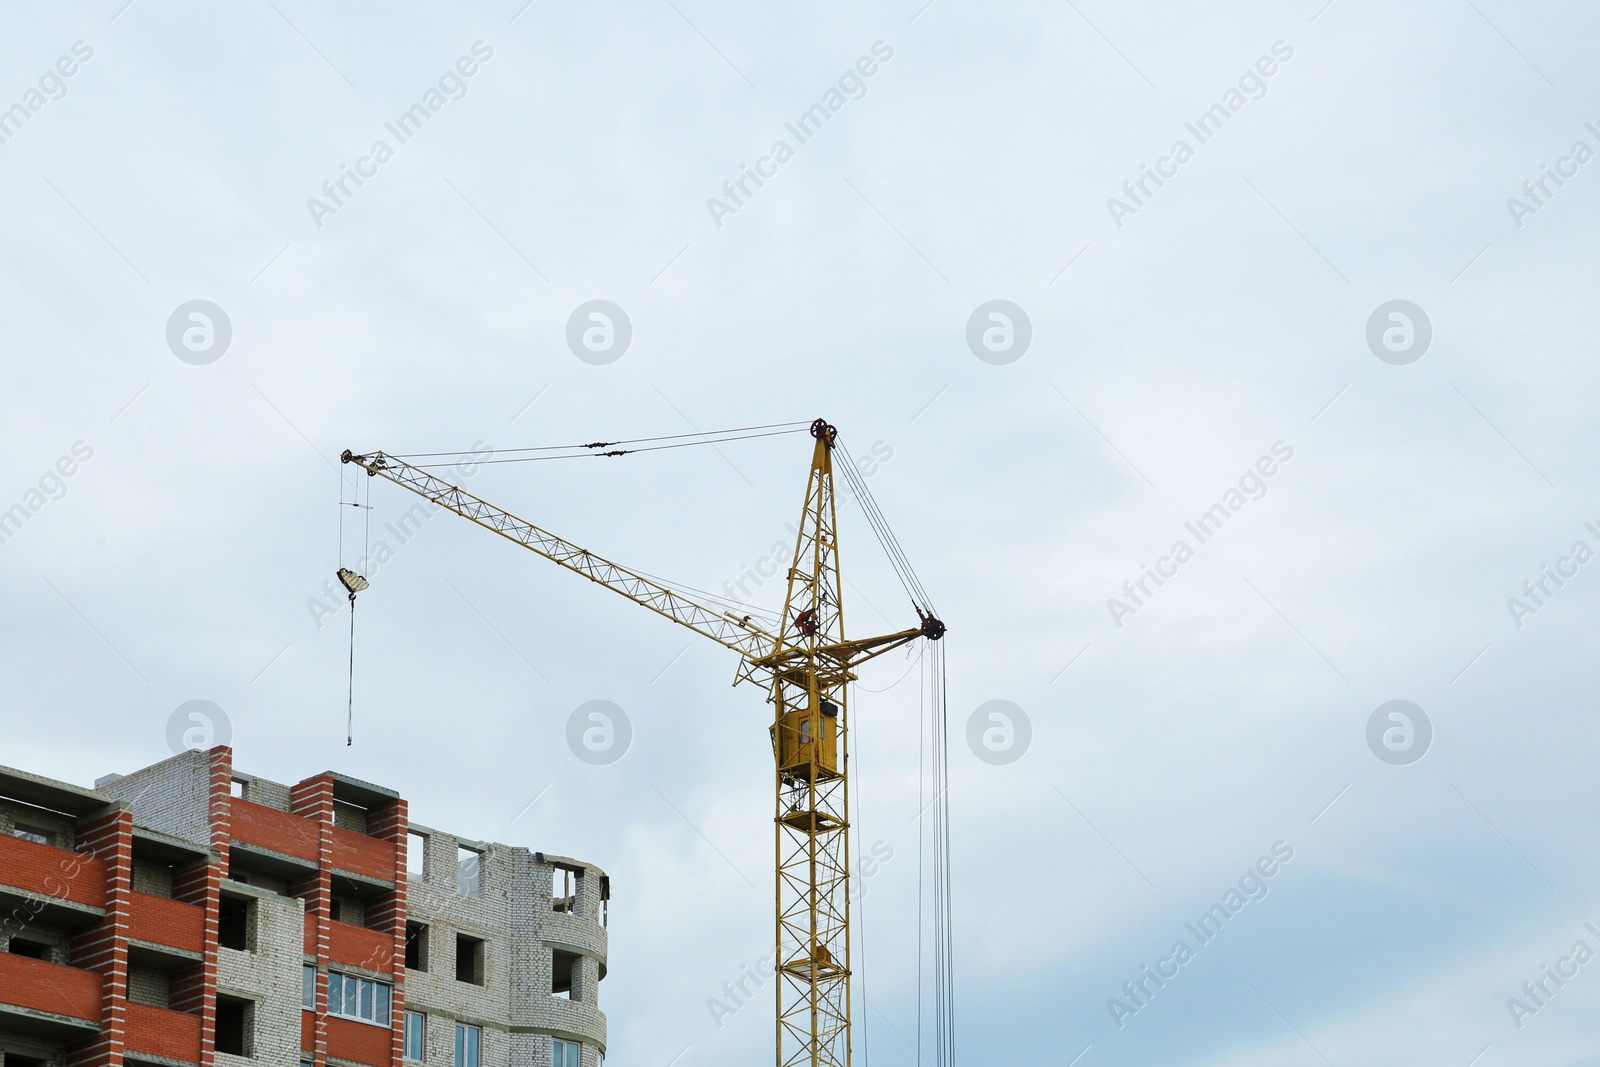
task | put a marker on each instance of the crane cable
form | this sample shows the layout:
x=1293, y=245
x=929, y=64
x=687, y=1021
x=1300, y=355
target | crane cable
x=880, y=528
x=944, y=937
x=353, y=583
x=933, y=777
x=594, y=449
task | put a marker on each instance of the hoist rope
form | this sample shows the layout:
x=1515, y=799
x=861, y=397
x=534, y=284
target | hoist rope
x=944, y=935
x=350, y=705
x=922, y=807
x=933, y=867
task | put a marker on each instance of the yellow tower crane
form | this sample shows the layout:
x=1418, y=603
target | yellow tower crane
x=806, y=667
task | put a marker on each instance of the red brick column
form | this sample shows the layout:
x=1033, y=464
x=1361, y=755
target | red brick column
x=393, y=824
x=204, y=886
x=313, y=799
x=103, y=947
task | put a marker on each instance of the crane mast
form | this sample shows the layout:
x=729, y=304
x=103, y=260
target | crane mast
x=807, y=667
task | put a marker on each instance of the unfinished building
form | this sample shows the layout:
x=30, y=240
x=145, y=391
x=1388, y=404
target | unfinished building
x=189, y=915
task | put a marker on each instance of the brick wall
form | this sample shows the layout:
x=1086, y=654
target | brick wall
x=51, y=987
x=514, y=1006
x=166, y=922
x=358, y=1041
x=159, y=1031
x=313, y=799
x=148, y=986
x=280, y=831
x=52, y=872
x=189, y=797
x=173, y=796
x=103, y=946
x=269, y=975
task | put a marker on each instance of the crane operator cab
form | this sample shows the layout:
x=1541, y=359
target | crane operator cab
x=806, y=742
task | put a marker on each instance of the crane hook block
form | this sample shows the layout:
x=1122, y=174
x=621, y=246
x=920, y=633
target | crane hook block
x=823, y=431
x=352, y=581
x=932, y=627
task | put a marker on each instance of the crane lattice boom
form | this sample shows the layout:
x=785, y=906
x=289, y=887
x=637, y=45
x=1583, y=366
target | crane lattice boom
x=807, y=666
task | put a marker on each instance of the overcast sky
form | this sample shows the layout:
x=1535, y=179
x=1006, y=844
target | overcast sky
x=1367, y=493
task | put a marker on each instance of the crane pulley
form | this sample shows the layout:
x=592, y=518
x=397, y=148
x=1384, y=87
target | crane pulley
x=806, y=663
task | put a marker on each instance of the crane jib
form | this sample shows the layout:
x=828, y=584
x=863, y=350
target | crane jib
x=807, y=665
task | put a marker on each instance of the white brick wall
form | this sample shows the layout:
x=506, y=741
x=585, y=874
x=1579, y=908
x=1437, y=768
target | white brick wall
x=173, y=796
x=514, y=1006
x=149, y=986
x=270, y=976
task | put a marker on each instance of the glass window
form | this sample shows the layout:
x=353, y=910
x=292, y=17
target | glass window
x=416, y=1042
x=308, y=987
x=358, y=998
x=565, y=1054
x=468, y=1041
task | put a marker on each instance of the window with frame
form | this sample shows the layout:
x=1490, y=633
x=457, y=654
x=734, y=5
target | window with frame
x=469, y=1045
x=565, y=1053
x=416, y=1036
x=308, y=987
x=358, y=998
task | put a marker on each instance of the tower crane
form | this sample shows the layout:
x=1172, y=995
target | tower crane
x=806, y=662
